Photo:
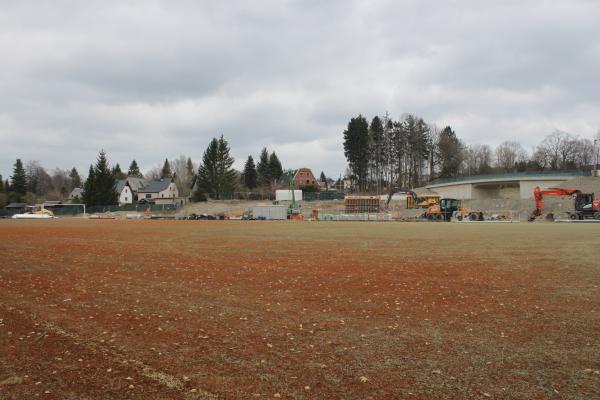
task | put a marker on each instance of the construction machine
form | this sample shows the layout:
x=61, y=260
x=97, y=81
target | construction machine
x=37, y=212
x=413, y=200
x=451, y=208
x=586, y=206
x=423, y=201
x=442, y=211
x=294, y=212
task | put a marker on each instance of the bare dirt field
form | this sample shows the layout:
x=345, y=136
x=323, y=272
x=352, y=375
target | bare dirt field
x=241, y=310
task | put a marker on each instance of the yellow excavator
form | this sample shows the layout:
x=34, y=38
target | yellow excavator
x=37, y=212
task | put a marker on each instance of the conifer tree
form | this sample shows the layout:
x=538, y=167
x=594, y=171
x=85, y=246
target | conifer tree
x=89, y=188
x=275, y=169
x=215, y=173
x=262, y=168
x=190, y=167
x=18, y=183
x=356, y=149
x=134, y=170
x=75, y=178
x=105, y=182
x=118, y=174
x=100, y=186
x=250, y=176
x=166, y=170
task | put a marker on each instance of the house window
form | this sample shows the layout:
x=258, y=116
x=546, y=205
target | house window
x=307, y=181
x=126, y=199
x=148, y=196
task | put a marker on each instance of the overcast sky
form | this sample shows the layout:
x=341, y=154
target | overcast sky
x=155, y=79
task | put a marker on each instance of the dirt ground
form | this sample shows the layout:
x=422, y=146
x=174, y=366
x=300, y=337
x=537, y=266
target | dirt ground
x=111, y=309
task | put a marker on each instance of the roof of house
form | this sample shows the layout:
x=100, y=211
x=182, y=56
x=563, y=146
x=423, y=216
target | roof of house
x=284, y=179
x=156, y=186
x=17, y=205
x=121, y=183
x=136, y=183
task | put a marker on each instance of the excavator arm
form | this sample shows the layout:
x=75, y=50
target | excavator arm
x=395, y=190
x=539, y=194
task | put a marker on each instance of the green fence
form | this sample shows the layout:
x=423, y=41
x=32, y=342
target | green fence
x=316, y=196
x=71, y=210
x=132, y=208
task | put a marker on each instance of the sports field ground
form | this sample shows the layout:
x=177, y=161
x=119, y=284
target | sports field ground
x=111, y=309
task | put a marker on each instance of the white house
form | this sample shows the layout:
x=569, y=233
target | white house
x=124, y=191
x=159, y=189
x=76, y=194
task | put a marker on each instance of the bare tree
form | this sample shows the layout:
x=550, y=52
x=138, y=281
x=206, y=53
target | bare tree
x=154, y=173
x=477, y=160
x=584, y=153
x=61, y=181
x=561, y=150
x=39, y=181
x=508, y=154
x=183, y=173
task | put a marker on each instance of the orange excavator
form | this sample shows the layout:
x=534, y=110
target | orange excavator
x=585, y=205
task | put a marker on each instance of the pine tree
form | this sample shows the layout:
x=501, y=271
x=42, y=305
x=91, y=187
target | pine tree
x=166, y=170
x=356, y=149
x=275, y=169
x=215, y=173
x=134, y=170
x=323, y=179
x=450, y=153
x=207, y=171
x=89, y=188
x=117, y=173
x=250, y=175
x=75, y=178
x=1, y=185
x=190, y=167
x=18, y=183
x=262, y=168
x=376, y=143
x=105, y=182
x=226, y=172
x=100, y=186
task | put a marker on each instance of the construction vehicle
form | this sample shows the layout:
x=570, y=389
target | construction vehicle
x=423, y=201
x=413, y=200
x=294, y=212
x=586, y=207
x=443, y=211
x=37, y=212
x=447, y=209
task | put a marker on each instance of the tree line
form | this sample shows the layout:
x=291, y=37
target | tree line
x=217, y=178
x=30, y=181
x=409, y=152
x=215, y=175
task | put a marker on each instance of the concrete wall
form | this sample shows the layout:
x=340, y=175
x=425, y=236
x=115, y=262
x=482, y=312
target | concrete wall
x=526, y=190
x=485, y=193
x=460, y=191
x=465, y=191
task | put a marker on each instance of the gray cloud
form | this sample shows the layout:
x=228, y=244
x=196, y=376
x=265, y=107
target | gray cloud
x=158, y=79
